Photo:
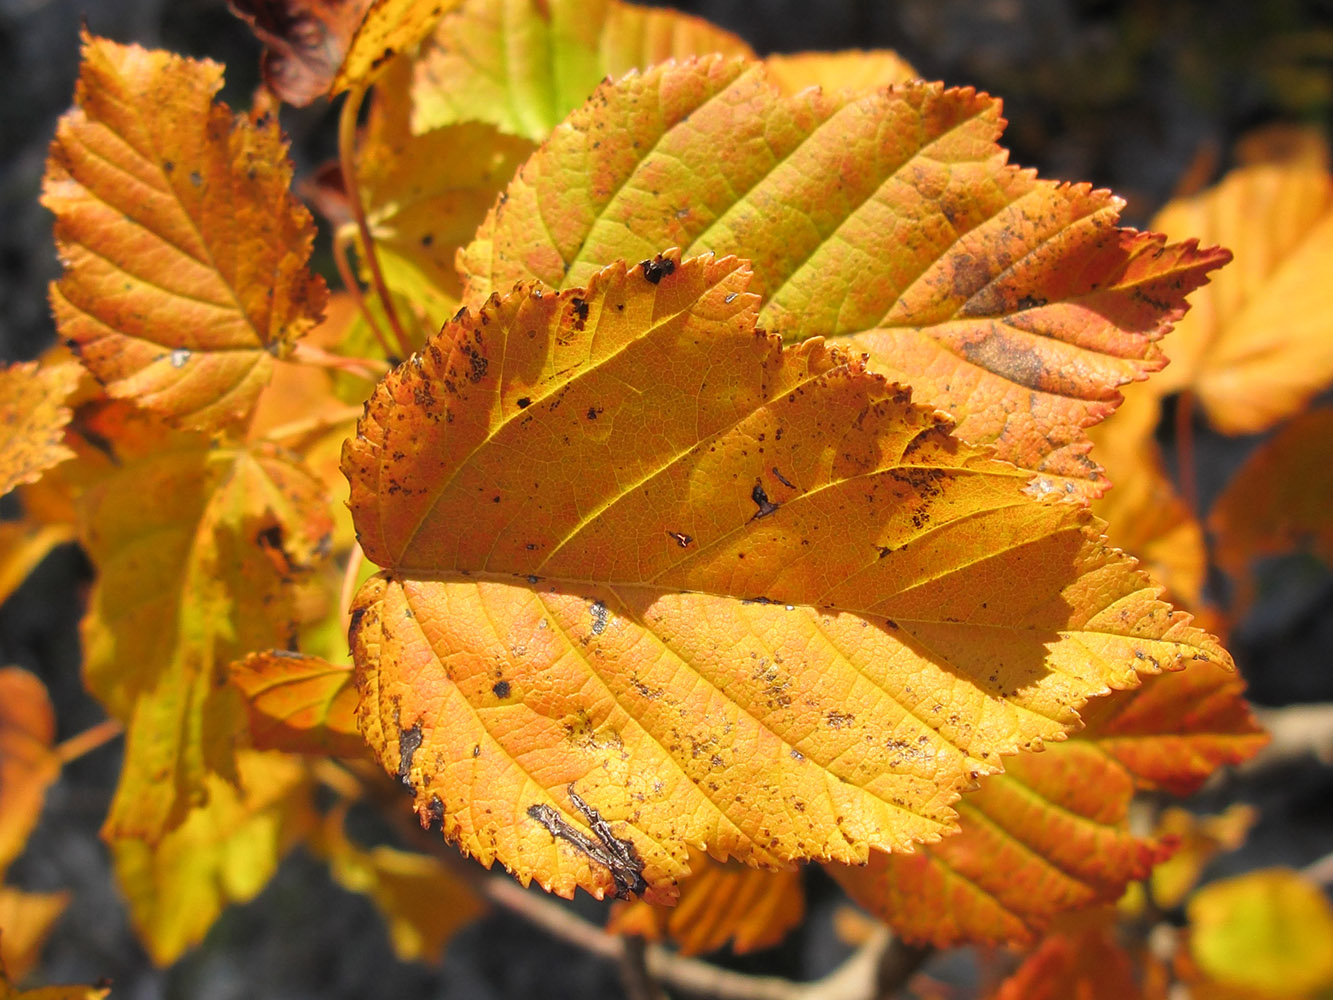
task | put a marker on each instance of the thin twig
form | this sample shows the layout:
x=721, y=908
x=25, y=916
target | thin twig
x=347, y=157
x=372, y=369
x=1297, y=732
x=88, y=740
x=342, y=246
x=309, y=425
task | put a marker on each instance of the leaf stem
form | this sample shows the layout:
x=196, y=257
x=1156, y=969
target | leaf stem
x=88, y=740
x=372, y=369
x=347, y=157
x=354, y=561
x=1189, y=486
x=307, y=425
x=342, y=242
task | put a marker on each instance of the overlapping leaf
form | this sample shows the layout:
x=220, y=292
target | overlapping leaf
x=185, y=253
x=653, y=582
x=8, y=991
x=889, y=221
x=1049, y=834
x=33, y=416
x=27, y=763
x=855, y=69
x=186, y=584
x=1279, y=501
x=720, y=903
x=1259, y=343
x=23, y=545
x=300, y=704
x=389, y=27
x=1086, y=962
x=222, y=852
x=423, y=902
x=26, y=920
x=523, y=66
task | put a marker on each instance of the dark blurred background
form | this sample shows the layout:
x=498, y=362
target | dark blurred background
x=1132, y=95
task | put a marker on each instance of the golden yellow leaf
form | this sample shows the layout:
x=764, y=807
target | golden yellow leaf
x=425, y=195
x=854, y=69
x=523, y=66
x=33, y=416
x=1278, y=502
x=197, y=578
x=720, y=902
x=222, y=852
x=27, y=764
x=1270, y=931
x=890, y=222
x=1146, y=516
x=423, y=903
x=26, y=920
x=1258, y=343
x=185, y=253
x=23, y=545
x=388, y=28
x=653, y=583
x=1198, y=840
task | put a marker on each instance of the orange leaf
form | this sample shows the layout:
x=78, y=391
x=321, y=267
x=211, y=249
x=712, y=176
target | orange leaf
x=1279, y=501
x=653, y=582
x=854, y=69
x=27, y=765
x=523, y=66
x=720, y=902
x=33, y=416
x=422, y=901
x=889, y=220
x=305, y=42
x=1086, y=964
x=388, y=28
x=197, y=578
x=1049, y=834
x=222, y=852
x=1199, y=839
x=1046, y=836
x=185, y=253
x=300, y=704
x=26, y=919
x=1177, y=729
x=1259, y=342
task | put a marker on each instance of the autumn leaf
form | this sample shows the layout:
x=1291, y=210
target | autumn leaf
x=1049, y=834
x=33, y=416
x=300, y=704
x=425, y=195
x=1086, y=963
x=887, y=221
x=1146, y=515
x=27, y=764
x=8, y=991
x=1268, y=931
x=305, y=42
x=523, y=66
x=185, y=253
x=186, y=584
x=423, y=903
x=1278, y=502
x=23, y=545
x=1259, y=342
x=388, y=28
x=855, y=69
x=653, y=582
x=222, y=852
x=720, y=903
x=1199, y=839
x=26, y=920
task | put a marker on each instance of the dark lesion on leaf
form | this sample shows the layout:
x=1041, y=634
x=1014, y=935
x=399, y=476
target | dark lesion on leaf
x=616, y=854
x=761, y=500
x=657, y=268
x=409, y=742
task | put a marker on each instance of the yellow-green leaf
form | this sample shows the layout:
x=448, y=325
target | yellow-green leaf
x=522, y=66
x=652, y=582
x=185, y=252
x=890, y=221
x=222, y=852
